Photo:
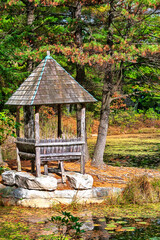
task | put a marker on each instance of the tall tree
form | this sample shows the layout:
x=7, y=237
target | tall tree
x=125, y=24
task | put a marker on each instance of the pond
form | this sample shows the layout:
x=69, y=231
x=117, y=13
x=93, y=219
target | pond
x=123, y=229
x=29, y=224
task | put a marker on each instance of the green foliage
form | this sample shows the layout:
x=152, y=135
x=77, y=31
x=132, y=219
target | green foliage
x=2, y=169
x=151, y=114
x=7, y=126
x=131, y=118
x=72, y=224
x=125, y=117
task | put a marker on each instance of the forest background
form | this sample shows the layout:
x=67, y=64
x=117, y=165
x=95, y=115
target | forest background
x=110, y=47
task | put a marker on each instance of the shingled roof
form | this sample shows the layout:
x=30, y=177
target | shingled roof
x=48, y=84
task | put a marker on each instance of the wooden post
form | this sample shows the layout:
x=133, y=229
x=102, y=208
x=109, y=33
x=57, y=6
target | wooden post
x=62, y=172
x=59, y=121
x=79, y=107
x=18, y=135
x=28, y=121
x=83, y=110
x=37, y=138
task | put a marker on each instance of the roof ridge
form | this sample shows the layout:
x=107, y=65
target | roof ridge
x=39, y=80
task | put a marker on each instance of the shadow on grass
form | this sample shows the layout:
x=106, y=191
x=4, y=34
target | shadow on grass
x=143, y=161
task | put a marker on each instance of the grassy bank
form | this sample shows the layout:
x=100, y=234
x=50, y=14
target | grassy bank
x=133, y=150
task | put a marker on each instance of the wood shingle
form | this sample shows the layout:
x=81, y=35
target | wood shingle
x=49, y=84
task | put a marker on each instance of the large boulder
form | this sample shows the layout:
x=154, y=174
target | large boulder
x=8, y=178
x=26, y=180
x=80, y=181
x=22, y=193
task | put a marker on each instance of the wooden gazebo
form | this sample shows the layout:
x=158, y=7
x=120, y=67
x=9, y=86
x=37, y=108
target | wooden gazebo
x=49, y=84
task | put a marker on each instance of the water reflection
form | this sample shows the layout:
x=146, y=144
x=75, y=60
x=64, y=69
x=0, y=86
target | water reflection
x=121, y=229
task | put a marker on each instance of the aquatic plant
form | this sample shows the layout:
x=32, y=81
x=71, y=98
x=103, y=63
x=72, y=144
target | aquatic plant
x=71, y=224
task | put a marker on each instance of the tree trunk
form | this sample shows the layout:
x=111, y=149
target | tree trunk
x=28, y=110
x=104, y=119
x=30, y=7
x=106, y=97
x=80, y=71
x=1, y=158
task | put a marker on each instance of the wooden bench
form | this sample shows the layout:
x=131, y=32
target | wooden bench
x=51, y=150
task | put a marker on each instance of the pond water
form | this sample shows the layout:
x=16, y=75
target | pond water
x=36, y=224
x=122, y=229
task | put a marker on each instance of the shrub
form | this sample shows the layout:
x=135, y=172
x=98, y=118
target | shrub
x=127, y=118
x=141, y=190
x=151, y=114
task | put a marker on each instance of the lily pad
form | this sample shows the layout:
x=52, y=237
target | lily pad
x=120, y=230
x=102, y=219
x=121, y=222
x=96, y=225
x=138, y=220
x=129, y=229
x=111, y=226
x=117, y=218
x=143, y=223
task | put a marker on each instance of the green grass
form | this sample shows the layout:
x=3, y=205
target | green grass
x=134, y=150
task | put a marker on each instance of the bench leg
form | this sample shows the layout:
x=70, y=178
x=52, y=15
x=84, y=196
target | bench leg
x=62, y=172
x=18, y=161
x=38, y=162
x=45, y=169
x=33, y=165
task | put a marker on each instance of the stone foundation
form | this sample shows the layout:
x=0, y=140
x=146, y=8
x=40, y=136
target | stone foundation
x=29, y=191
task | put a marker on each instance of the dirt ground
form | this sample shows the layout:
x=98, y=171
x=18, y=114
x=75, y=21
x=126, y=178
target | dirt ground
x=108, y=176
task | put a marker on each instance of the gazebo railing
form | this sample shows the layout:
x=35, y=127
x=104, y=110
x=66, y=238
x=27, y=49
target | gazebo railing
x=50, y=150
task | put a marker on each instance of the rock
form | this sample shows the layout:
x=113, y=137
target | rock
x=22, y=193
x=64, y=193
x=80, y=194
x=88, y=226
x=80, y=181
x=35, y=203
x=25, y=180
x=105, y=191
x=73, y=194
x=7, y=192
x=8, y=178
x=22, y=177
